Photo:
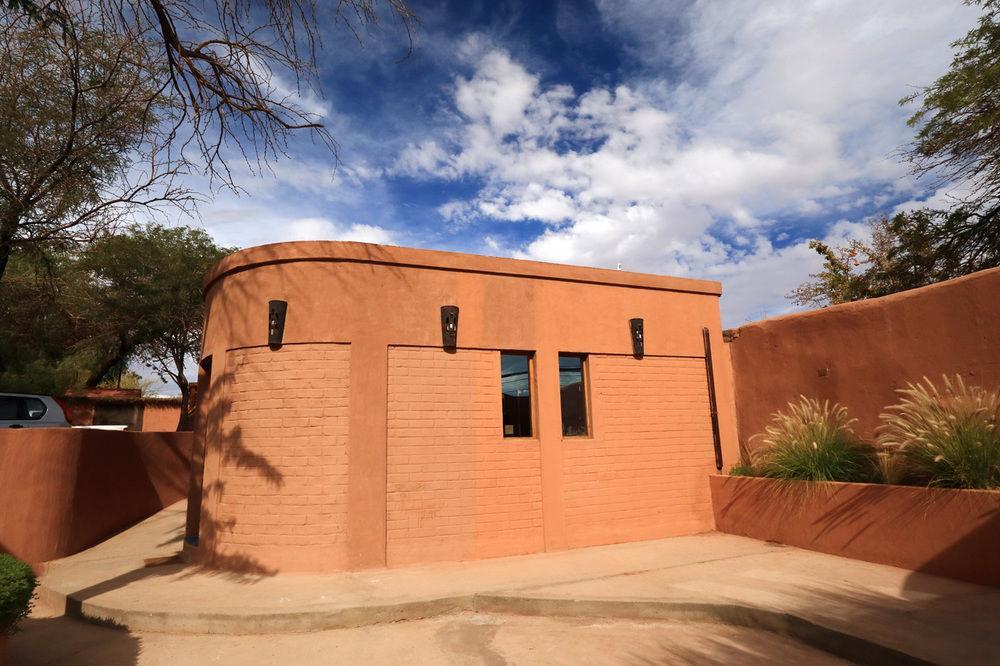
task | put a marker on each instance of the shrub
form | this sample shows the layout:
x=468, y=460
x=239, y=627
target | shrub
x=811, y=441
x=948, y=437
x=17, y=586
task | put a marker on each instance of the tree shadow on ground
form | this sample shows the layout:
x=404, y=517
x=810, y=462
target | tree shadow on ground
x=64, y=640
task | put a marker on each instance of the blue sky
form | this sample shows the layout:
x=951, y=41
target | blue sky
x=707, y=139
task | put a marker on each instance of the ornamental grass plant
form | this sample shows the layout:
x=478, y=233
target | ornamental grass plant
x=813, y=441
x=947, y=437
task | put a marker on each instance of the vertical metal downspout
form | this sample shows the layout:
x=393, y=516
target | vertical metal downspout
x=712, y=404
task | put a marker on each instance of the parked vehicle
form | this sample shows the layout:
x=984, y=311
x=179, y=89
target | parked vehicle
x=21, y=410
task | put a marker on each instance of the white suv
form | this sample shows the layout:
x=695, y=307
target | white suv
x=20, y=410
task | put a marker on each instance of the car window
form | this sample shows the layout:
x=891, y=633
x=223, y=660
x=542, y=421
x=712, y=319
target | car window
x=8, y=408
x=33, y=408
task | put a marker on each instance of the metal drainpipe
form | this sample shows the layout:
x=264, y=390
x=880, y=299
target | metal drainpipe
x=712, y=404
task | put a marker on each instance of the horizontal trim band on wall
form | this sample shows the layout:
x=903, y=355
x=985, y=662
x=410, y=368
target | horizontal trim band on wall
x=351, y=252
x=399, y=345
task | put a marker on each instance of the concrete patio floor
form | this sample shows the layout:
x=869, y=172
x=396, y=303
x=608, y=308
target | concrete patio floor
x=658, y=594
x=464, y=638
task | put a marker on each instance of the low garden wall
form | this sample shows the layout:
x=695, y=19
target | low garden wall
x=954, y=533
x=63, y=490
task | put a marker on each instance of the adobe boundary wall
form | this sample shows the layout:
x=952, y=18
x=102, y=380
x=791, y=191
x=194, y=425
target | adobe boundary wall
x=63, y=490
x=953, y=533
x=138, y=413
x=858, y=354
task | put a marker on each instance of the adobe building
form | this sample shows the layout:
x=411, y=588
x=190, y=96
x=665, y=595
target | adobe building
x=369, y=406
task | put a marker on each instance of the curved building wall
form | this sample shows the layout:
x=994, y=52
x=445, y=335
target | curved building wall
x=362, y=442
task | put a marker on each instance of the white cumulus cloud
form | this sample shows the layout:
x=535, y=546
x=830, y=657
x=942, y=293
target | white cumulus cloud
x=781, y=110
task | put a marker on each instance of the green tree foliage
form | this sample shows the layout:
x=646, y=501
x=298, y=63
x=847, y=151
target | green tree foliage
x=236, y=71
x=906, y=251
x=81, y=135
x=958, y=122
x=75, y=319
x=146, y=292
x=43, y=337
x=957, y=140
x=104, y=102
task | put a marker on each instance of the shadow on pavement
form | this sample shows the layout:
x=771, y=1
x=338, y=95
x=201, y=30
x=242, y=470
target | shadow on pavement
x=63, y=640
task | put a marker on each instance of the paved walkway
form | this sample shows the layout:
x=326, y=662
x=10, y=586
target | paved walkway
x=458, y=639
x=863, y=611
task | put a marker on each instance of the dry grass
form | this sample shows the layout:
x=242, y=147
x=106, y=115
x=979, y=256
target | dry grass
x=813, y=441
x=947, y=437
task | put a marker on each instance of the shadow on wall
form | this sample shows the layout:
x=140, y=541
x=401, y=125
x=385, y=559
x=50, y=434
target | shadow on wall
x=222, y=441
x=64, y=490
x=231, y=450
x=957, y=556
x=951, y=533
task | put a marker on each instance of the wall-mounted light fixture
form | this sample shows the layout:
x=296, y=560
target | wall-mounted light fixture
x=276, y=311
x=449, y=326
x=638, y=338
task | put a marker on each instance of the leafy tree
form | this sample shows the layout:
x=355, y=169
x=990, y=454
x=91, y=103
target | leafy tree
x=147, y=296
x=906, y=251
x=958, y=121
x=43, y=342
x=958, y=140
x=234, y=68
x=81, y=140
x=78, y=318
x=104, y=102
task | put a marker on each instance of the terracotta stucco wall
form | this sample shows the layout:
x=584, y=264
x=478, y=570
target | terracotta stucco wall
x=283, y=466
x=857, y=354
x=158, y=417
x=945, y=532
x=640, y=476
x=63, y=490
x=456, y=489
x=422, y=426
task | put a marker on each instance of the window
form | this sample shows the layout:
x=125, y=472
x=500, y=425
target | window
x=8, y=408
x=34, y=408
x=573, y=395
x=515, y=385
x=18, y=408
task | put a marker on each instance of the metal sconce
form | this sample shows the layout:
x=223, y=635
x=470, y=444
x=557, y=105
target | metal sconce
x=276, y=322
x=449, y=326
x=638, y=338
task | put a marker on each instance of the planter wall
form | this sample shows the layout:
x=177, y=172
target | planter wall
x=63, y=490
x=953, y=533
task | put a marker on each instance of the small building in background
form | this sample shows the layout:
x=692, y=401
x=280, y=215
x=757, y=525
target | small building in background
x=124, y=407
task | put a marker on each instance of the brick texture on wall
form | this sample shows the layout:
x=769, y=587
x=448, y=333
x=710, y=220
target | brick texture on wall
x=284, y=456
x=643, y=474
x=455, y=488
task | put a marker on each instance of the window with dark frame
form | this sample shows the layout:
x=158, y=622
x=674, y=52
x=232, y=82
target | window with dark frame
x=573, y=395
x=515, y=385
x=8, y=408
x=21, y=408
x=33, y=409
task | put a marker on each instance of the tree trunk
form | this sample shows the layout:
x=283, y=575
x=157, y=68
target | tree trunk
x=8, y=229
x=4, y=257
x=110, y=361
x=5, y=249
x=186, y=422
